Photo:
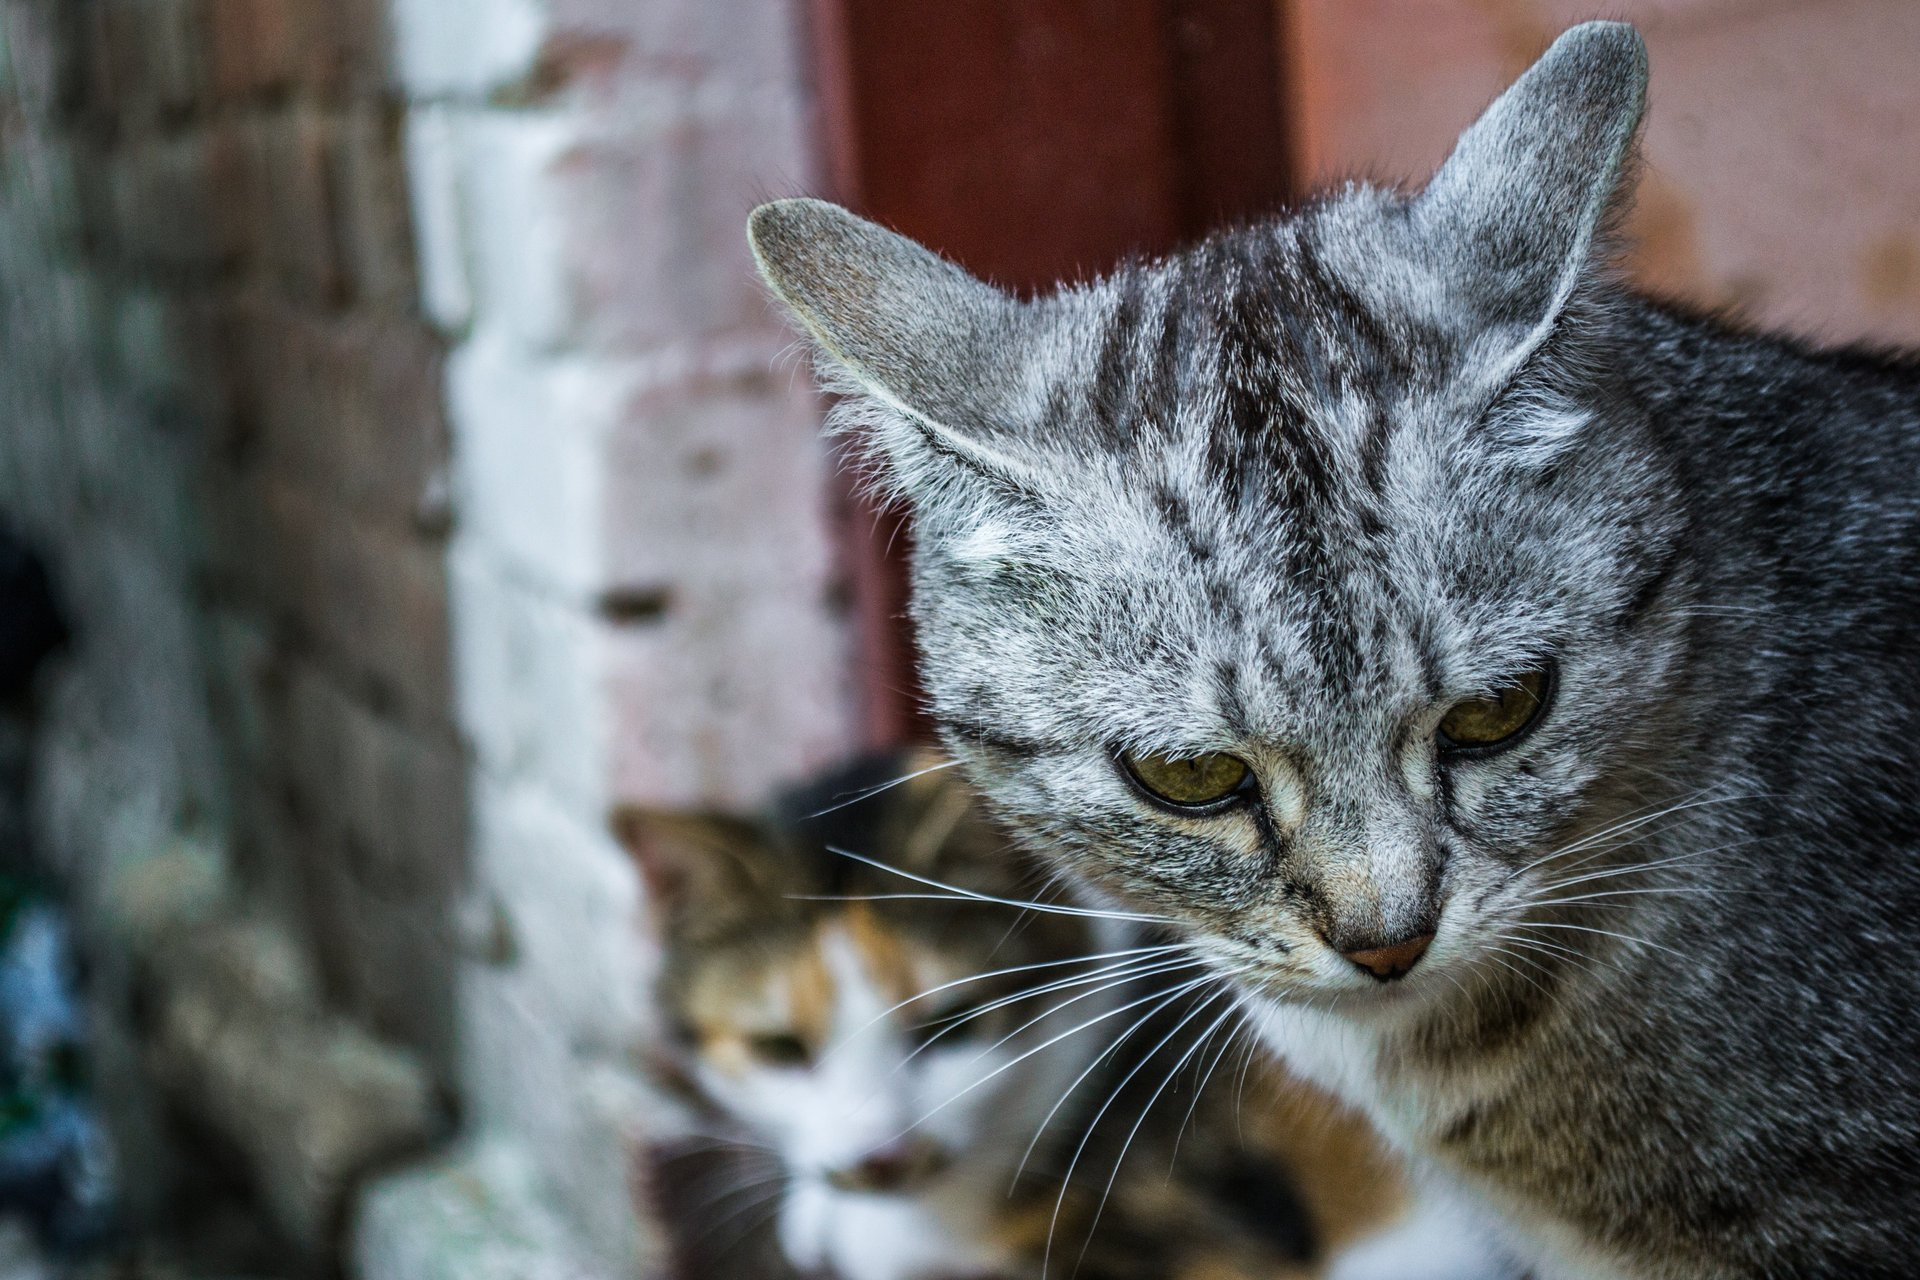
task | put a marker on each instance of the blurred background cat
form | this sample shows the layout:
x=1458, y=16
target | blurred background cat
x=896, y=1041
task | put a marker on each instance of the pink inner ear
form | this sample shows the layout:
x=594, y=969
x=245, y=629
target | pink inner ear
x=666, y=879
x=662, y=866
x=697, y=862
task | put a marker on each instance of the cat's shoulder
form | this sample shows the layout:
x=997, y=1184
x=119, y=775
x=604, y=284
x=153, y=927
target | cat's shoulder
x=1729, y=338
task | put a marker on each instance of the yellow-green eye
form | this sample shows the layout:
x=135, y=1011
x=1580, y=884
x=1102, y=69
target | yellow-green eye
x=1492, y=720
x=780, y=1049
x=1188, y=781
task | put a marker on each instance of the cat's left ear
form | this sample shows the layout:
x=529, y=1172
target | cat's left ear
x=1514, y=215
x=939, y=351
x=701, y=870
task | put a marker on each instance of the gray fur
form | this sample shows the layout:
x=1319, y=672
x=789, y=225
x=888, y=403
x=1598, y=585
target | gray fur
x=1292, y=493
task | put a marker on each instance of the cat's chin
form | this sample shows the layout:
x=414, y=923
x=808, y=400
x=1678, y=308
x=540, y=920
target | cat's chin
x=1366, y=1002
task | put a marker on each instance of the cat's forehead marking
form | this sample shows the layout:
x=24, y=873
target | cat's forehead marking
x=1283, y=477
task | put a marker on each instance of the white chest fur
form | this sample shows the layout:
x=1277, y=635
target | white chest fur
x=1334, y=1053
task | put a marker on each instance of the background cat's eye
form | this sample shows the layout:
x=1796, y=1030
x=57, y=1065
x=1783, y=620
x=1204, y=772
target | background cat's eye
x=1499, y=718
x=780, y=1049
x=1188, y=782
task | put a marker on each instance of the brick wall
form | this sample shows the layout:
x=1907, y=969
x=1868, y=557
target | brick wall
x=647, y=605
x=389, y=386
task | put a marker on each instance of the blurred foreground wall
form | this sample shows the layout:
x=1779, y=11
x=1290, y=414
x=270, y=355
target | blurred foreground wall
x=223, y=426
x=387, y=382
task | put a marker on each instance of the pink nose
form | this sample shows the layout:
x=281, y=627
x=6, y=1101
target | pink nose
x=896, y=1167
x=1392, y=961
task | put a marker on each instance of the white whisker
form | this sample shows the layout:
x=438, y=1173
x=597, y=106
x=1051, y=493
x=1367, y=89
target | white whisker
x=1091, y=1067
x=1061, y=1199
x=1609, y=933
x=1126, y=1144
x=1112, y=982
x=995, y=973
x=871, y=792
x=1500, y=956
x=1664, y=891
x=1041, y=1047
x=975, y=896
x=1199, y=1090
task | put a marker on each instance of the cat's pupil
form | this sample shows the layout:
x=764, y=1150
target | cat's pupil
x=1489, y=721
x=1188, y=780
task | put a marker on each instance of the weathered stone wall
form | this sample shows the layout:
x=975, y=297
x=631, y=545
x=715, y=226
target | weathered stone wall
x=223, y=423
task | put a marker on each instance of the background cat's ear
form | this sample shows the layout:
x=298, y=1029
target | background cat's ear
x=1514, y=213
x=700, y=869
x=912, y=331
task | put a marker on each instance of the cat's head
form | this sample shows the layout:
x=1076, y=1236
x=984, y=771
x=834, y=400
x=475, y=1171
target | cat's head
x=823, y=1005
x=1298, y=586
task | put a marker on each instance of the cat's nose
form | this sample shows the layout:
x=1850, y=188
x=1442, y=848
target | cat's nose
x=1391, y=961
x=898, y=1166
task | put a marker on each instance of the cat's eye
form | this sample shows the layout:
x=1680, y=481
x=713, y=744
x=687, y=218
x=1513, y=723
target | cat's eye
x=780, y=1049
x=1500, y=717
x=1188, y=782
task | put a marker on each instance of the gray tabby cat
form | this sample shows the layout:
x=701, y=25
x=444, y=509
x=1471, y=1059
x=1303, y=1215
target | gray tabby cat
x=1511, y=680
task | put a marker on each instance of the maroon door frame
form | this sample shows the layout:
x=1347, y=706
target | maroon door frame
x=1034, y=140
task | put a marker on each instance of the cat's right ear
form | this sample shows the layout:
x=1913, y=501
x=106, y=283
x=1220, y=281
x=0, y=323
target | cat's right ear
x=1518, y=209
x=935, y=350
x=700, y=869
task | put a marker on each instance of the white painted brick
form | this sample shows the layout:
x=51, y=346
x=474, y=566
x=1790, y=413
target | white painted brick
x=517, y=1073
x=553, y=1011
x=598, y=1180
x=659, y=207
x=740, y=687
x=588, y=251
x=438, y=209
x=474, y=1214
x=572, y=897
x=688, y=464
x=520, y=189
x=528, y=674
x=741, y=683
x=465, y=48
x=746, y=41
x=528, y=478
